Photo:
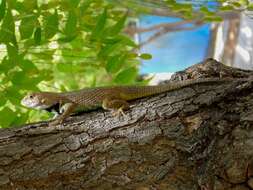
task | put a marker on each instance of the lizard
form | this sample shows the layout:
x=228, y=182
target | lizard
x=109, y=98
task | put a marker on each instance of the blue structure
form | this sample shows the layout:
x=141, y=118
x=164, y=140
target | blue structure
x=173, y=51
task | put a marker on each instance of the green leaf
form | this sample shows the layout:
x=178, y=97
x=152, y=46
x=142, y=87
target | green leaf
x=115, y=63
x=170, y=2
x=13, y=95
x=74, y=3
x=7, y=117
x=69, y=4
x=17, y=5
x=66, y=39
x=236, y=4
x=64, y=67
x=108, y=49
x=2, y=9
x=2, y=99
x=98, y=30
x=70, y=27
x=111, y=40
x=6, y=65
x=46, y=54
x=118, y=26
x=64, y=5
x=21, y=80
x=51, y=23
x=213, y=19
x=132, y=55
x=20, y=119
x=7, y=31
x=18, y=78
x=46, y=5
x=84, y=6
x=145, y=56
x=69, y=67
x=28, y=67
x=12, y=4
x=12, y=53
x=204, y=9
x=27, y=26
x=115, y=44
x=46, y=75
x=126, y=76
x=226, y=8
x=250, y=7
x=37, y=36
x=182, y=7
x=30, y=5
x=126, y=40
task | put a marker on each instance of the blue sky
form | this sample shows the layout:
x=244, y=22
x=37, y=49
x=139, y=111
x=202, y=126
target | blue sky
x=173, y=51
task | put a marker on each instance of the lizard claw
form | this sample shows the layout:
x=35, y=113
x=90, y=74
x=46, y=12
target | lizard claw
x=119, y=112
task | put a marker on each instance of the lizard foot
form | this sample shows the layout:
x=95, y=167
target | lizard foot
x=117, y=105
x=119, y=112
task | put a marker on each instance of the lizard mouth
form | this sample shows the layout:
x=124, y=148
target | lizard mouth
x=24, y=102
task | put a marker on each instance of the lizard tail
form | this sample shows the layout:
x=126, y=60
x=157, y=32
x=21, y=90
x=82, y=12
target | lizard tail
x=135, y=92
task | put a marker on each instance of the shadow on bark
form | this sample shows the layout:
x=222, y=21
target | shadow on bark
x=198, y=137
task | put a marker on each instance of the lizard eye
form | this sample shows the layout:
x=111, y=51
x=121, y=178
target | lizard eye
x=31, y=96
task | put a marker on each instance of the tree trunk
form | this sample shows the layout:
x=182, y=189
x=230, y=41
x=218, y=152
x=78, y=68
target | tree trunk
x=231, y=41
x=198, y=137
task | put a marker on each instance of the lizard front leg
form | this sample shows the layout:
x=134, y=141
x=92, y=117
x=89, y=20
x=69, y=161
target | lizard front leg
x=65, y=111
x=117, y=105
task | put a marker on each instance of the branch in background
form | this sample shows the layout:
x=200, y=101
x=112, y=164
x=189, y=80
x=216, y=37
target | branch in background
x=225, y=15
x=132, y=30
x=169, y=28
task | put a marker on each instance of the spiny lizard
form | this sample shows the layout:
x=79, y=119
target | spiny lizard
x=110, y=98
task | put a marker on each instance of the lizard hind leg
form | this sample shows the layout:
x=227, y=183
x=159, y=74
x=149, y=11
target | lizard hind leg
x=118, y=106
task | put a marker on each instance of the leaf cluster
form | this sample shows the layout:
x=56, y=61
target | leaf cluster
x=60, y=45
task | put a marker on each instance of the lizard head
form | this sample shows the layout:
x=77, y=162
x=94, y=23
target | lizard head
x=39, y=100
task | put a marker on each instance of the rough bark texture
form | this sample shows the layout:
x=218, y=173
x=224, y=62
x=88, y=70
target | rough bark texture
x=199, y=137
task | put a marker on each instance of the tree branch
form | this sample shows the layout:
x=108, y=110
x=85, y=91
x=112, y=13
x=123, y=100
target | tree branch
x=192, y=138
x=165, y=31
x=132, y=31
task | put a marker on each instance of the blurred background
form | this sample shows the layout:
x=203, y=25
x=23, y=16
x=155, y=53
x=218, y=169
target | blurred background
x=176, y=43
x=62, y=45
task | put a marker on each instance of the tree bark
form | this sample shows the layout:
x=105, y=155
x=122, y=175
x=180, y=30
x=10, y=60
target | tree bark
x=198, y=137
